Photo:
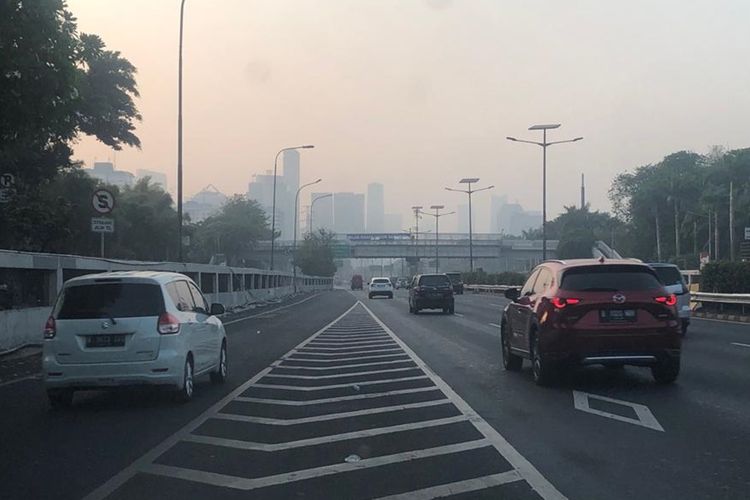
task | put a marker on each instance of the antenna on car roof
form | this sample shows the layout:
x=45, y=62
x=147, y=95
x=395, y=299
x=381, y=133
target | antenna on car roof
x=601, y=259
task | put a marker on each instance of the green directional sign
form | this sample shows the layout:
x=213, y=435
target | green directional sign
x=341, y=251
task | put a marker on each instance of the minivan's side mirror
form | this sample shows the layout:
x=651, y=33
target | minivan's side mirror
x=217, y=309
x=512, y=294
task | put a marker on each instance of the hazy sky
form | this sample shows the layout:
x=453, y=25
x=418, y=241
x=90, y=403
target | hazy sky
x=419, y=93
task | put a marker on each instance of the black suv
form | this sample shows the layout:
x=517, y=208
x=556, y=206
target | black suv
x=431, y=291
x=458, y=284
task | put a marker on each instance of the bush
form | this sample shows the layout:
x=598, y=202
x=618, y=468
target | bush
x=504, y=278
x=726, y=277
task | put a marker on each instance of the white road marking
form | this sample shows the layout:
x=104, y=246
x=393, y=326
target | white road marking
x=340, y=375
x=22, y=379
x=338, y=386
x=645, y=417
x=278, y=364
x=495, y=325
x=537, y=481
x=225, y=323
x=459, y=315
x=304, y=350
x=377, y=431
x=342, y=348
x=356, y=358
x=242, y=483
x=329, y=416
x=740, y=344
x=352, y=343
x=370, y=395
x=449, y=489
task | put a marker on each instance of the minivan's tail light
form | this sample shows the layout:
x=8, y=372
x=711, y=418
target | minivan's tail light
x=50, y=328
x=668, y=300
x=168, y=323
x=560, y=302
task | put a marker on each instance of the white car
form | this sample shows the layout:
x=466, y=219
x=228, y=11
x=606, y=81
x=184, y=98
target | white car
x=131, y=328
x=670, y=276
x=380, y=286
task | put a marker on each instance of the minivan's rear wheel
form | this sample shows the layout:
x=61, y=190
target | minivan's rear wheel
x=220, y=375
x=511, y=362
x=185, y=393
x=666, y=371
x=60, y=398
x=540, y=368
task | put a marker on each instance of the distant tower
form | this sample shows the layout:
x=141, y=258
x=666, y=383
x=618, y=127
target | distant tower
x=583, y=193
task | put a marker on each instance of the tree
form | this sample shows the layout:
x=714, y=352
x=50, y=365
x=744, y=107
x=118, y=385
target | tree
x=315, y=255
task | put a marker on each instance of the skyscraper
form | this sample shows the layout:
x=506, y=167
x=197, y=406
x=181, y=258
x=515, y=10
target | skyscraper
x=375, y=208
x=157, y=178
x=285, y=196
x=322, y=212
x=496, y=205
x=261, y=190
x=348, y=212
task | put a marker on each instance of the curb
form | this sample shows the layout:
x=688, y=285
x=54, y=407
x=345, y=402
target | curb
x=737, y=318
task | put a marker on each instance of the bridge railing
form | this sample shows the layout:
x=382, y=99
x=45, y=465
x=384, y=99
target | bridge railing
x=488, y=288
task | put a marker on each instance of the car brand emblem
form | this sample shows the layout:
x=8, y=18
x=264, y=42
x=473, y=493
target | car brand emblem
x=618, y=298
x=105, y=325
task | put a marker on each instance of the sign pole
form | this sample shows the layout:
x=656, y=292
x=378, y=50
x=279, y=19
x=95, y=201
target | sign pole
x=101, y=241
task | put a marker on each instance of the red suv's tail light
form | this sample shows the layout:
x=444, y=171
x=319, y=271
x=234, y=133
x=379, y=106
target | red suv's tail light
x=168, y=323
x=50, y=328
x=560, y=302
x=669, y=300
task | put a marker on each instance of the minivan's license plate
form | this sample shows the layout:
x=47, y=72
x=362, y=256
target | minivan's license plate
x=617, y=315
x=105, y=341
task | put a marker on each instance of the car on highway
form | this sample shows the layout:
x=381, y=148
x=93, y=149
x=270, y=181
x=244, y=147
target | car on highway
x=132, y=328
x=402, y=283
x=670, y=276
x=431, y=291
x=586, y=312
x=457, y=282
x=380, y=287
x=357, y=282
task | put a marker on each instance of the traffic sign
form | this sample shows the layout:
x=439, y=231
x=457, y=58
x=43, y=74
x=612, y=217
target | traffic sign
x=100, y=225
x=5, y=194
x=7, y=180
x=103, y=201
x=747, y=233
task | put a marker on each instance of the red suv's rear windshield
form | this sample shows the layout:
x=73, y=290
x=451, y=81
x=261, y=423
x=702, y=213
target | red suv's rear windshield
x=609, y=278
x=111, y=300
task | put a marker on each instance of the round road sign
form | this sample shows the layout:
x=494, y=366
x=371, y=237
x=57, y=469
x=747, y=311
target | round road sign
x=103, y=201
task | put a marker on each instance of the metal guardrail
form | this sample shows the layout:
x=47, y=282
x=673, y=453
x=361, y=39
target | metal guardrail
x=721, y=298
x=487, y=288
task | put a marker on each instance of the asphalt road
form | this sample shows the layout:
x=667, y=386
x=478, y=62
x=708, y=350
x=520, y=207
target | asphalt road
x=329, y=398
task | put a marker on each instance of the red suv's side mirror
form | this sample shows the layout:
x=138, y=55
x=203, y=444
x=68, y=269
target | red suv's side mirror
x=512, y=294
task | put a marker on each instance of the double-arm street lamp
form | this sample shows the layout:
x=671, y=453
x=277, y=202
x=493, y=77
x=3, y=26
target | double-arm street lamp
x=294, y=245
x=437, y=216
x=179, y=138
x=312, y=205
x=544, y=145
x=469, y=191
x=273, y=209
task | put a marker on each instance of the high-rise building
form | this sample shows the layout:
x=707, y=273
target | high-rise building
x=496, y=205
x=393, y=223
x=285, y=200
x=291, y=170
x=462, y=219
x=261, y=190
x=322, y=211
x=375, y=208
x=157, y=178
x=105, y=172
x=349, y=212
x=204, y=204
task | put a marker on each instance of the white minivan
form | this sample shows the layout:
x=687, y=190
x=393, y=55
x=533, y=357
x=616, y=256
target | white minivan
x=131, y=328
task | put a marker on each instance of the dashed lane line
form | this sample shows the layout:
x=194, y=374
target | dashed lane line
x=740, y=344
x=331, y=438
x=495, y=325
x=369, y=395
x=467, y=486
x=459, y=315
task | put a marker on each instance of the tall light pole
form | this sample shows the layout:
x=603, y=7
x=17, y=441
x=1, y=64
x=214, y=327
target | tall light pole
x=179, y=139
x=417, y=211
x=273, y=209
x=470, y=181
x=437, y=216
x=312, y=205
x=544, y=145
x=294, y=245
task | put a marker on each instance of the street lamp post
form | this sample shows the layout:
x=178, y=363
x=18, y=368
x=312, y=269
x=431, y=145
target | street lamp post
x=179, y=139
x=273, y=209
x=294, y=245
x=437, y=216
x=544, y=145
x=312, y=205
x=470, y=181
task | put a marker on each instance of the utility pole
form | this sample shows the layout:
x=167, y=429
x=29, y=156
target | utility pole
x=469, y=191
x=179, y=139
x=695, y=237
x=676, y=230
x=731, y=220
x=710, y=248
x=583, y=193
x=658, y=237
x=716, y=235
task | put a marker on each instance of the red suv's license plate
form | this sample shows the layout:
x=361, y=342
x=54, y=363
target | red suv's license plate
x=617, y=315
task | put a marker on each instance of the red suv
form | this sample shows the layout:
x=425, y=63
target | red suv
x=586, y=312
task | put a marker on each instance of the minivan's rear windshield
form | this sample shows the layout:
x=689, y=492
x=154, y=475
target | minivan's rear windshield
x=609, y=278
x=110, y=300
x=669, y=275
x=435, y=280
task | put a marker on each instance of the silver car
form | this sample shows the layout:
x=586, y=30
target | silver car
x=132, y=328
x=670, y=276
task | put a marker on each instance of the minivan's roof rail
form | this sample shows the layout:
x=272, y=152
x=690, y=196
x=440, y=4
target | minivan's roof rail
x=558, y=261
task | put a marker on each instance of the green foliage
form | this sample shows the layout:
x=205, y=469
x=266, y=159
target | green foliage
x=315, y=255
x=504, y=278
x=726, y=277
x=578, y=228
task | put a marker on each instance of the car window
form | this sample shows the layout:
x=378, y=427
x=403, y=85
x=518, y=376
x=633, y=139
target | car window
x=609, y=278
x=434, y=280
x=110, y=300
x=180, y=294
x=669, y=275
x=384, y=281
x=543, y=282
x=198, y=298
x=528, y=287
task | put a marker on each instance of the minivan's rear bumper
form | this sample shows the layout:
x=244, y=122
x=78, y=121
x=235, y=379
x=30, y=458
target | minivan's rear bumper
x=166, y=369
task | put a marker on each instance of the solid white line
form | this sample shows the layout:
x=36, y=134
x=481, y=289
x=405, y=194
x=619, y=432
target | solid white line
x=377, y=431
x=466, y=486
x=22, y=379
x=495, y=325
x=336, y=367
x=304, y=350
x=356, y=358
x=740, y=344
x=225, y=323
x=329, y=416
x=139, y=464
x=538, y=482
x=340, y=375
x=286, y=402
x=242, y=483
x=336, y=386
